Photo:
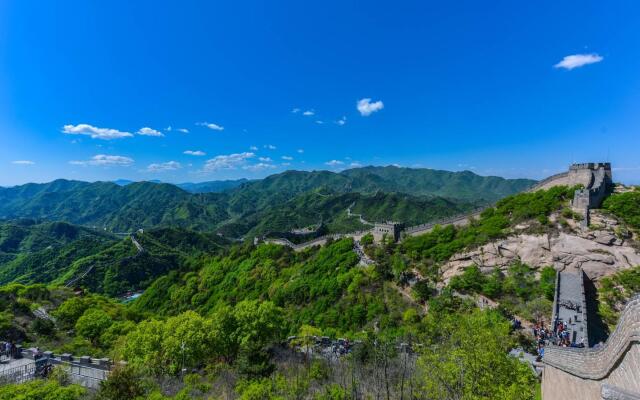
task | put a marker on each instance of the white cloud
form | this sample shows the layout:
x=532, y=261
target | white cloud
x=22, y=162
x=146, y=131
x=319, y=122
x=334, y=163
x=265, y=159
x=270, y=147
x=366, y=107
x=355, y=164
x=309, y=113
x=105, y=160
x=295, y=110
x=253, y=148
x=195, y=153
x=168, y=129
x=162, y=167
x=288, y=158
x=300, y=151
x=230, y=161
x=258, y=167
x=212, y=126
x=94, y=132
x=342, y=121
x=183, y=130
x=578, y=60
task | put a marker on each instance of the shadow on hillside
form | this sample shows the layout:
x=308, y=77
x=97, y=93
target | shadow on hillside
x=598, y=330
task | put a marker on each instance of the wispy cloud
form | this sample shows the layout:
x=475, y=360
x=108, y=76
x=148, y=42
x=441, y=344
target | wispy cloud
x=22, y=162
x=146, y=131
x=163, y=167
x=259, y=167
x=270, y=147
x=334, y=163
x=285, y=164
x=211, y=125
x=105, y=160
x=578, y=60
x=355, y=164
x=94, y=132
x=309, y=113
x=342, y=121
x=265, y=159
x=253, y=148
x=319, y=122
x=366, y=107
x=288, y=158
x=295, y=110
x=195, y=153
x=229, y=161
x=183, y=130
x=300, y=151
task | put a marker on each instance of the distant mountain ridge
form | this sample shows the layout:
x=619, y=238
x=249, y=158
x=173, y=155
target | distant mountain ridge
x=108, y=205
x=195, y=187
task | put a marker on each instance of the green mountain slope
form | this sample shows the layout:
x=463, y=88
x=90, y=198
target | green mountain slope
x=40, y=252
x=116, y=208
x=123, y=267
x=58, y=252
x=330, y=209
x=243, y=208
x=458, y=185
x=212, y=186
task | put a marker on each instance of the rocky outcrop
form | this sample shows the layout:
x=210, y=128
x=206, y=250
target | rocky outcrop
x=599, y=252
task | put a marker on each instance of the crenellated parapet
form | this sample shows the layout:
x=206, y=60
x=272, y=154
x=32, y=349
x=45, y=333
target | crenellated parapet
x=599, y=372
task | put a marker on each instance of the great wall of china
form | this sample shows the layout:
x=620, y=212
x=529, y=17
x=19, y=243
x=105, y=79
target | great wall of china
x=607, y=371
x=595, y=178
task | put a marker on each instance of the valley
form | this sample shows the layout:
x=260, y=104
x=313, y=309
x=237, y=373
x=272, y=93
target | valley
x=251, y=308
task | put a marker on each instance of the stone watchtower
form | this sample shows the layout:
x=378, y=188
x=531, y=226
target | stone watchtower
x=598, y=183
x=390, y=229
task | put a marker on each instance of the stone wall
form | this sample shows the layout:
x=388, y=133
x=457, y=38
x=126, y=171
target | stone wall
x=610, y=371
x=597, y=181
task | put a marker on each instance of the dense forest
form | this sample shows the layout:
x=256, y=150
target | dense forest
x=223, y=319
x=277, y=203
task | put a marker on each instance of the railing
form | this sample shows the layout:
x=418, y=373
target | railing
x=84, y=375
x=20, y=374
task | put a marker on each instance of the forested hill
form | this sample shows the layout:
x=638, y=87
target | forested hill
x=119, y=208
x=33, y=252
x=108, y=205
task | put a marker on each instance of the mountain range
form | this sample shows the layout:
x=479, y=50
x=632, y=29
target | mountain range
x=279, y=202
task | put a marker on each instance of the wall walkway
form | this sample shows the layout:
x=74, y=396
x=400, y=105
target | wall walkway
x=609, y=371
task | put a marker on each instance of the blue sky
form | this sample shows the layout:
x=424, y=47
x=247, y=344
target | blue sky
x=458, y=85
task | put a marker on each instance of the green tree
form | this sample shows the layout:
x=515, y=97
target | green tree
x=467, y=359
x=548, y=282
x=92, y=324
x=188, y=341
x=123, y=384
x=41, y=390
x=72, y=309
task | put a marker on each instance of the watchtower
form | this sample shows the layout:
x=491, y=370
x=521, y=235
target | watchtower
x=389, y=228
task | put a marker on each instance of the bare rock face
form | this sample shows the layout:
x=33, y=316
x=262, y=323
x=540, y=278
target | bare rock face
x=599, y=252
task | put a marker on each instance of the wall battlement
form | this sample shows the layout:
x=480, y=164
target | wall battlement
x=598, y=183
x=597, y=373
